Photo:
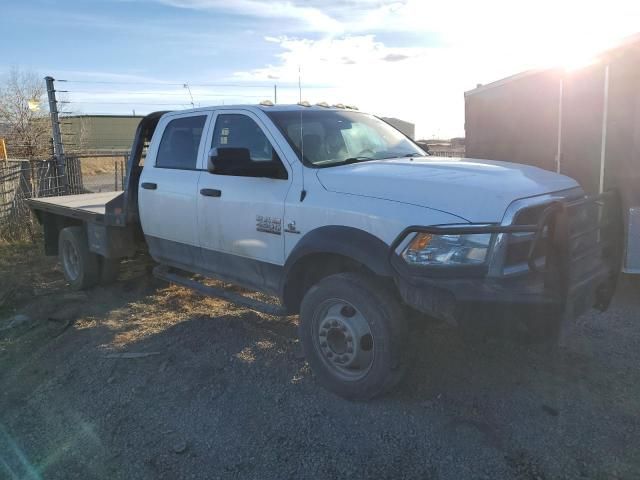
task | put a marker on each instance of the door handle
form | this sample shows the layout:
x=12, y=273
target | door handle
x=211, y=192
x=149, y=185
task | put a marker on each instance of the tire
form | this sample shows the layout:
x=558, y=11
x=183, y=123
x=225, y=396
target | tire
x=354, y=334
x=109, y=270
x=80, y=266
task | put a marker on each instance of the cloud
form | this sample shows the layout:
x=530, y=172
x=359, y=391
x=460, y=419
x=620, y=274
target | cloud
x=531, y=34
x=360, y=70
x=381, y=54
x=345, y=53
x=461, y=21
x=314, y=18
x=395, y=57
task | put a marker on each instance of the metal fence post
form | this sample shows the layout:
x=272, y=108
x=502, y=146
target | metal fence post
x=58, y=148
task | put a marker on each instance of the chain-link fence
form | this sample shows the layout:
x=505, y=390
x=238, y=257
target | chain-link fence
x=24, y=179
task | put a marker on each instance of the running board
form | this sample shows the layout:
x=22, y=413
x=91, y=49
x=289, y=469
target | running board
x=163, y=273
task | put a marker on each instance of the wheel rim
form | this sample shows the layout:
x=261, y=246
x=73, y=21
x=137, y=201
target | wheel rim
x=343, y=339
x=70, y=260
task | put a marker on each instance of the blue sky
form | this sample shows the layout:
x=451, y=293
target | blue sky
x=411, y=59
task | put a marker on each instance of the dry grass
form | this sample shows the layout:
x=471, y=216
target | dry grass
x=100, y=165
x=159, y=311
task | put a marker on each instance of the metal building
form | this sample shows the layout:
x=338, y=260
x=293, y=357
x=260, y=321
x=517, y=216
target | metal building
x=408, y=128
x=583, y=123
x=99, y=133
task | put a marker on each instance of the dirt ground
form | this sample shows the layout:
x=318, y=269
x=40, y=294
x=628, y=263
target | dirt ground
x=145, y=380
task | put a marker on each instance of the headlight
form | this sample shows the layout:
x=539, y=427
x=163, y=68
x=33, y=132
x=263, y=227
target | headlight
x=428, y=249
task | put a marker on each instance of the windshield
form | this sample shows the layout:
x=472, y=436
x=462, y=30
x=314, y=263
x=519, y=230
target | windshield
x=337, y=137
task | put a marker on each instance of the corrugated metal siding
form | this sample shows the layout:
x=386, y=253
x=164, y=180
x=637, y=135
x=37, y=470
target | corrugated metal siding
x=582, y=111
x=408, y=128
x=516, y=121
x=99, y=133
x=623, y=132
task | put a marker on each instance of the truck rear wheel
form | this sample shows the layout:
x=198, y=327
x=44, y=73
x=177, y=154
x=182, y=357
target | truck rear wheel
x=80, y=266
x=354, y=335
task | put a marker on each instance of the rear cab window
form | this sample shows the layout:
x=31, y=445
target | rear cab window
x=180, y=143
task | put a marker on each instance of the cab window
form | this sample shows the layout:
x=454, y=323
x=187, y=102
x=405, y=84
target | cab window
x=237, y=131
x=180, y=143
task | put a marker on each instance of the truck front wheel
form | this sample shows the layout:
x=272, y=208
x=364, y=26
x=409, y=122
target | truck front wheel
x=80, y=266
x=354, y=334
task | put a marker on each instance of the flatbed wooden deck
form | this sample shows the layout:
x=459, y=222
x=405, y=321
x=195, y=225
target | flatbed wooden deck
x=86, y=205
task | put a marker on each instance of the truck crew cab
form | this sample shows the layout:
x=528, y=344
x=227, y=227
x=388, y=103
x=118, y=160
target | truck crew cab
x=349, y=224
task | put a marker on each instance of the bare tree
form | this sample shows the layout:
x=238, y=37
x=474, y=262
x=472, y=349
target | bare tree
x=24, y=115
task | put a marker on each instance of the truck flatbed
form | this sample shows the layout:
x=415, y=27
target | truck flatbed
x=87, y=206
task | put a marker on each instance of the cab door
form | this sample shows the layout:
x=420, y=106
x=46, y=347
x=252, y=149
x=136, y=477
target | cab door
x=240, y=216
x=168, y=189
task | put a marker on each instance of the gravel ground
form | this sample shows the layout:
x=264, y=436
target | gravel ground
x=144, y=380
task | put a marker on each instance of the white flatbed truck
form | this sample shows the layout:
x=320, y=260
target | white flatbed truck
x=349, y=224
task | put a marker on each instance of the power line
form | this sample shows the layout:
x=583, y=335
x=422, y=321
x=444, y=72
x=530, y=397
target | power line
x=123, y=103
x=230, y=85
x=161, y=94
x=103, y=92
x=105, y=82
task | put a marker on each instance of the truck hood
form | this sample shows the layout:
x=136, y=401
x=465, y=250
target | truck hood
x=478, y=191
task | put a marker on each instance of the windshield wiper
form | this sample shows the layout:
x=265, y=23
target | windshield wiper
x=350, y=160
x=402, y=156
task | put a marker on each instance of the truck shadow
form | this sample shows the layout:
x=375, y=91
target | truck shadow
x=148, y=371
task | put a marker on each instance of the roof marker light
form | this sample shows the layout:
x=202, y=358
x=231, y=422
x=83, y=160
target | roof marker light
x=339, y=105
x=304, y=103
x=266, y=103
x=322, y=104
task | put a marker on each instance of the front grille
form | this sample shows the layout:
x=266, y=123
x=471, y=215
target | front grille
x=580, y=238
x=519, y=244
x=585, y=240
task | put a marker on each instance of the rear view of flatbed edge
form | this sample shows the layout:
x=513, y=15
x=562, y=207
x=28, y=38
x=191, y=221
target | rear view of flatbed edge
x=88, y=207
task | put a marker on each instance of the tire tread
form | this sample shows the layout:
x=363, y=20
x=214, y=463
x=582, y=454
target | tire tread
x=384, y=301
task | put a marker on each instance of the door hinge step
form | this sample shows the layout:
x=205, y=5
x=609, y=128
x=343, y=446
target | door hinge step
x=164, y=273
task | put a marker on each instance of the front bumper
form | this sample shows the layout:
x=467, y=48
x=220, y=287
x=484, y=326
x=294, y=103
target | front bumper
x=578, y=270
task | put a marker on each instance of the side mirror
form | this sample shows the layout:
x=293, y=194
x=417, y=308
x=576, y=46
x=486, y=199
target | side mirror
x=222, y=160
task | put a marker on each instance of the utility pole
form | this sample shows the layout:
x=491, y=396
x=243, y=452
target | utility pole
x=186, y=85
x=58, y=147
x=275, y=94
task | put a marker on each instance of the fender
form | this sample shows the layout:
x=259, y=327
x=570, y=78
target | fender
x=350, y=242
